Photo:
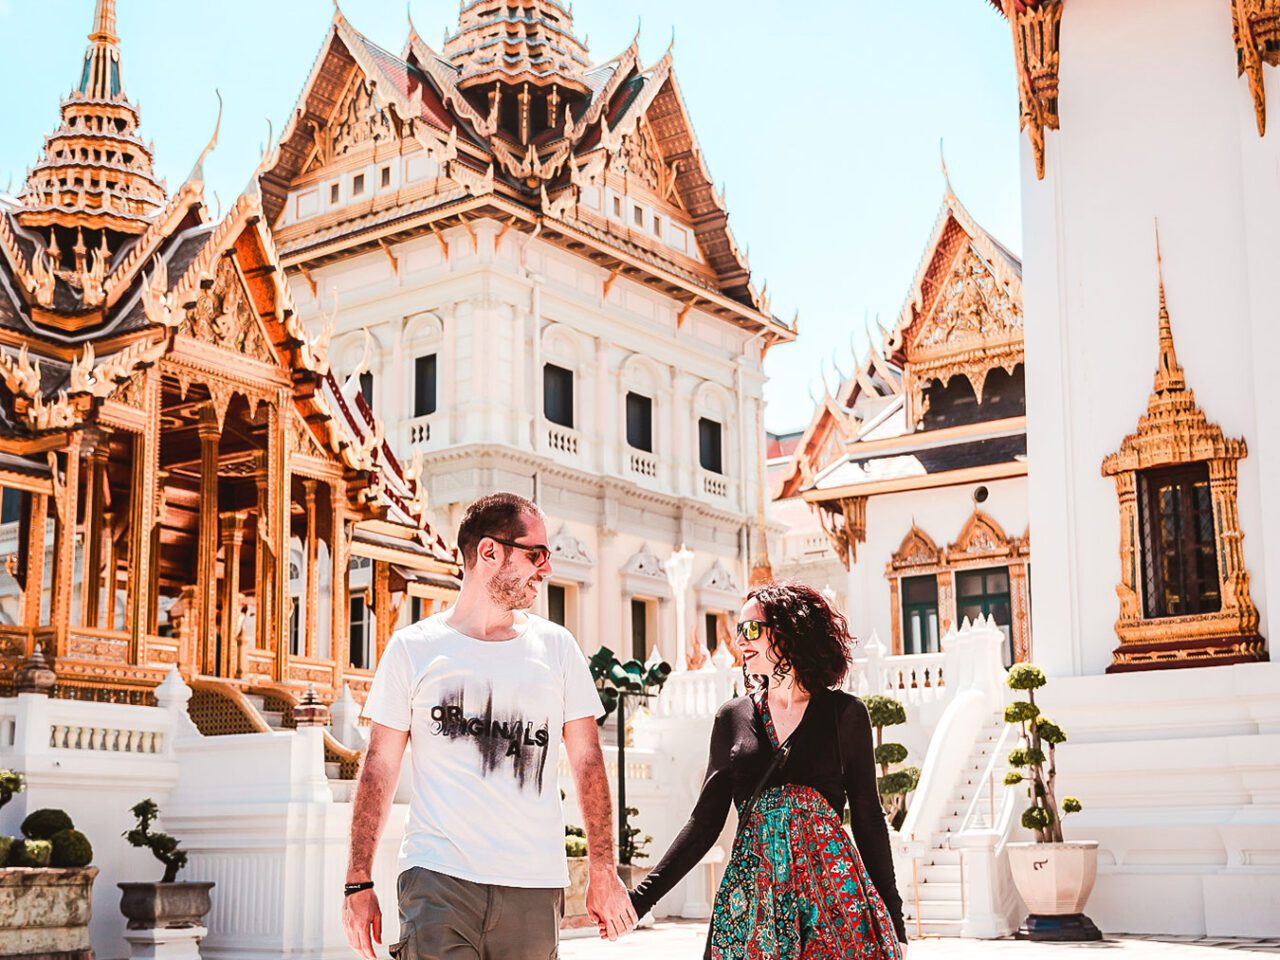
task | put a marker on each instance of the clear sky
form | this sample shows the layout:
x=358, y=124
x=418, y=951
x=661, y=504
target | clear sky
x=820, y=118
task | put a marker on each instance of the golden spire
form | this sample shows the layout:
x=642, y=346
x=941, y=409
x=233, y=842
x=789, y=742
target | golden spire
x=101, y=77
x=1169, y=375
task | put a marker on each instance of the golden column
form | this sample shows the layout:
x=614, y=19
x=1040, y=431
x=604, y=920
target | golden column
x=339, y=635
x=65, y=548
x=206, y=654
x=143, y=556
x=232, y=541
x=33, y=588
x=91, y=550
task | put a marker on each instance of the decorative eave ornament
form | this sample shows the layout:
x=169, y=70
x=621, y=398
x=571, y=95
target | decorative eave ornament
x=1036, y=32
x=1174, y=430
x=1256, y=24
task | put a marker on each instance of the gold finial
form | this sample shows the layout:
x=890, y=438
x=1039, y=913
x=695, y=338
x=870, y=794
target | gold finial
x=946, y=176
x=104, y=23
x=1169, y=375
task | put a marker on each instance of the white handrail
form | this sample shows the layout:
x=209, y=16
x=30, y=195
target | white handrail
x=998, y=751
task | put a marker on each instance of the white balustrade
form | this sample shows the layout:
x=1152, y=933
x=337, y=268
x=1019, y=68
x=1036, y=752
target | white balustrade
x=418, y=433
x=563, y=440
x=643, y=464
x=714, y=485
x=71, y=736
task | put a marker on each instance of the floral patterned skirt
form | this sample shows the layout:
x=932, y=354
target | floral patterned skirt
x=795, y=888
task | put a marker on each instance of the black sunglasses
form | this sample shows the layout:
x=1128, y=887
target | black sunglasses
x=538, y=553
x=751, y=629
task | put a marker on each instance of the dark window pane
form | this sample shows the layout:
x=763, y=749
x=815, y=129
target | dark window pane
x=969, y=583
x=366, y=387
x=357, y=634
x=10, y=505
x=424, y=385
x=920, y=614
x=639, y=629
x=557, y=394
x=640, y=422
x=556, y=605
x=920, y=589
x=1179, y=544
x=709, y=445
x=712, y=625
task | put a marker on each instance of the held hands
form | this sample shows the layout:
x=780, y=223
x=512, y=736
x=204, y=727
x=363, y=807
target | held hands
x=361, y=917
x=609, y=905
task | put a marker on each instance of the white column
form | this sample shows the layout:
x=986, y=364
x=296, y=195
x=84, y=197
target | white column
x=608, y=441
x=448, y=370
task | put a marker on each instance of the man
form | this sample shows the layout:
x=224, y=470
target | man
x=482, y=694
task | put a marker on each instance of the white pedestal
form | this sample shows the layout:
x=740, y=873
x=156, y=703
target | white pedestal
x=165, y=944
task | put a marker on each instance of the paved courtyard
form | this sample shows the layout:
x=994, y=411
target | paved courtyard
x=684, y=941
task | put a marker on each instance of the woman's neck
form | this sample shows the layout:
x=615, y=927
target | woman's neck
x=787, y=693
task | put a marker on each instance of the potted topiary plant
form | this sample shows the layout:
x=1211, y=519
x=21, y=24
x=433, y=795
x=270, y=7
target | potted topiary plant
x=167, y=904
x=893, y=786
x=1053, y=875
x=46, y=887
x=575, y=895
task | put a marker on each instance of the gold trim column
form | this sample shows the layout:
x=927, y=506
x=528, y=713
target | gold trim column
x=139, y=589
x=946, y=602
x=65, y=548
x=110, y=569
x=33, y=592
x=95, y=502
x=279, y=488
x=382, y=612
x=312, y=608
x=339, y=594
x=207, y=544
x=232, y=541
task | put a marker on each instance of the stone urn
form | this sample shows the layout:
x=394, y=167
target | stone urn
x=45, y=911
x=1055, y=880
x=165, y=906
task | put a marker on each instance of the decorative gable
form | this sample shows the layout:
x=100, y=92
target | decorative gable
x=645, y=574
x=223, y=317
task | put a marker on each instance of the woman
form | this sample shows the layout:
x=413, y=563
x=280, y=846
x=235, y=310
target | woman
x=795, y=888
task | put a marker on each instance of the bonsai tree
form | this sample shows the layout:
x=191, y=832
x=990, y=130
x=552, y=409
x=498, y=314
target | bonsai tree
x=893, y=786
x=631, y=845
x=575, y=841
x=162, y=846
x=615, y=682
x=1030, y=759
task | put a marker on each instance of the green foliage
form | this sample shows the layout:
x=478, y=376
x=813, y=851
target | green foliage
x=899, y=782
x=162, y=846
x=1071, y=805
x=71, y=848
x=43, y=824
x=572, y=830
x=11, y=782
x=1020, y=711
x=1012, y=778
x=890, y=753
x=30, y=853
x=615, y=678
x=1025, y=756
x=1026, y=676
x=1050, y=732
x=1037, y=818
x=575, y=846
x=884, y=711
x=632, y=846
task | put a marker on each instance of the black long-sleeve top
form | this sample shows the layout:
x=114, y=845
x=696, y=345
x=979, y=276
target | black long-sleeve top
x=740, y=753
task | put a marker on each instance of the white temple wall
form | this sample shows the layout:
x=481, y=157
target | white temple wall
x=1155, y=124
x=941, y=513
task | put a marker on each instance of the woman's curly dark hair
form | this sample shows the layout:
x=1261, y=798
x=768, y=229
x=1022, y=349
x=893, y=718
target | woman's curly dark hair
x=808, y=636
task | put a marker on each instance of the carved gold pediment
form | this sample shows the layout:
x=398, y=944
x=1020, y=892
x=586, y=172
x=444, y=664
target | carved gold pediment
x=357, y=120
x=1036, y=31
x=916, y=550
x=644, y=161
x=223, y=317
x=982, y=538
x=1256, y=24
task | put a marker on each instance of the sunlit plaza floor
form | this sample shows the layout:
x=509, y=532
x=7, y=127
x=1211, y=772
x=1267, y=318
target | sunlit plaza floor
x=684, y=941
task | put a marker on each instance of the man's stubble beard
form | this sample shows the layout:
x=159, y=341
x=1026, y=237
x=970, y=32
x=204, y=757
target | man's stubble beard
x=508, y=591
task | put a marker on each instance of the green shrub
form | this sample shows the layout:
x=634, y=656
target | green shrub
x=899, y=782
x=888, y=753
x=1037, y=818
x=162, y=846
x=43, y=824
x=1071, y=805
x=1025, y=756
x=1020, y=711
x=6, y=844
x=71, y=848
x=1050, y=732
x=30, y=853
x=11, y=782
x=1012, y=778
x=1025, y=676
x=574, y=831
x=575, y=846
x=884, y=711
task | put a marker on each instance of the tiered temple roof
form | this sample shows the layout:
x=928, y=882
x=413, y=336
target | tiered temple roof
x=526, y=129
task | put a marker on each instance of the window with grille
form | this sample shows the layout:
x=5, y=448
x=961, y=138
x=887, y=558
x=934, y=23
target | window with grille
x=1179, y=546
x=557, y=394
x=640, y=422
x=424, y=385
x=358, y=634
x=709, y=445
x=985, y=593
x=920, y=614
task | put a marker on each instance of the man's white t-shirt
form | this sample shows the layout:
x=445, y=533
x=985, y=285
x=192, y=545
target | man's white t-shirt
x=485, y=719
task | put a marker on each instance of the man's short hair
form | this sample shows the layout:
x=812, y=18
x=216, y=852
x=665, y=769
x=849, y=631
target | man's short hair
x=497, y=515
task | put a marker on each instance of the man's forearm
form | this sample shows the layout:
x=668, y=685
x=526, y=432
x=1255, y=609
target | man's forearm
x=374, y=792
x=597, y=810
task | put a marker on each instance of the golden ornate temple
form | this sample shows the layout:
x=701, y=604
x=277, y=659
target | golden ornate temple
x=175, y=451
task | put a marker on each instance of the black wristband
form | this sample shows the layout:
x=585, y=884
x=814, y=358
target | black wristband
x=350, y=888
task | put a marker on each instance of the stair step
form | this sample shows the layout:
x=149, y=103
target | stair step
x=939, y=892
x=933, y=910
x=940, y=873
x=941, y=858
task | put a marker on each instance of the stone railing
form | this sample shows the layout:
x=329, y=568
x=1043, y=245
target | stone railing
x=563, y=440
x=417, y=433
x=698, y=693
x=643, y=464
x=714, y=484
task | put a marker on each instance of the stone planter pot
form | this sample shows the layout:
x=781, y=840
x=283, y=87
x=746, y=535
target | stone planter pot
x=45, y=911
x=1055, y=880
x=632, y=875
x=168, y=906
